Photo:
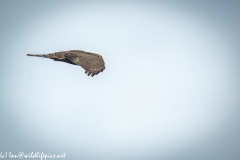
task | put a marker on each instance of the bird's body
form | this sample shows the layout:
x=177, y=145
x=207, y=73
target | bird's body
x=92, y=63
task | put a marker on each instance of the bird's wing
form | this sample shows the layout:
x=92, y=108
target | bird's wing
x=90, y=63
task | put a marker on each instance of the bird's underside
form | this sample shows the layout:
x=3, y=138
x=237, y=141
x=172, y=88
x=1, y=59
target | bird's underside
x=92, y=63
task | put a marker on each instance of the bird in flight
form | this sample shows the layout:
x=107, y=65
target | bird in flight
x=92, y=63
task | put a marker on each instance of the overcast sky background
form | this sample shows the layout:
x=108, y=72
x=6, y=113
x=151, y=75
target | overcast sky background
x=170, y=90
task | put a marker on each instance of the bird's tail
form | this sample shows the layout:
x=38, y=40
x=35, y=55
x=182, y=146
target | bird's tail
x=45, y=55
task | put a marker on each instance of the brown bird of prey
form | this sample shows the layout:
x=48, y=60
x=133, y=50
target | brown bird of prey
x=92, y=63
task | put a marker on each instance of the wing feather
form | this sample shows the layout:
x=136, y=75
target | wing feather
x=90, y=62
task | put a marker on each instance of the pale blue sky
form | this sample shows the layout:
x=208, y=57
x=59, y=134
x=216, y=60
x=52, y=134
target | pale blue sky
x=170, y=89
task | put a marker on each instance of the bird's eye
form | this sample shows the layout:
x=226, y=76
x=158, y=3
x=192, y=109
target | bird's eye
x=99, y=56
